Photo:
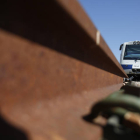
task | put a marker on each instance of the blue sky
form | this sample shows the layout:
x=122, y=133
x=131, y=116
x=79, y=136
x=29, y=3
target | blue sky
x=117, y=20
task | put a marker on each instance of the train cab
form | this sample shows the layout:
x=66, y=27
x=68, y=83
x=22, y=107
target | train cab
x=130, y=58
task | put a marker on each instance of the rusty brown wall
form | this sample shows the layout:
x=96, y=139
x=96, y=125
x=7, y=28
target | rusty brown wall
x=52, y=69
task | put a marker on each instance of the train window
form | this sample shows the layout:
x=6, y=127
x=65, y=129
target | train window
x=132, y=52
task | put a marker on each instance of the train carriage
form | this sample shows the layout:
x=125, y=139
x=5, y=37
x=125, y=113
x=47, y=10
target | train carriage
x=130, y=58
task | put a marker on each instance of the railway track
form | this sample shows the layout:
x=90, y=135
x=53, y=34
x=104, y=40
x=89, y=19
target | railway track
x=54, y=67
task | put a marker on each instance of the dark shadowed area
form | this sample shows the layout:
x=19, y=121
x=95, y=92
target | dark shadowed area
x=10, y=132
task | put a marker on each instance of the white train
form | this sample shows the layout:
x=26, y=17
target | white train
x=130, y=58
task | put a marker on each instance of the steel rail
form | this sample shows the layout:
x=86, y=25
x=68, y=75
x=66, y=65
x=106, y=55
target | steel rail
x=54, y=65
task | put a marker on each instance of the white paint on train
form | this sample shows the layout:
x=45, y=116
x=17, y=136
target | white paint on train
x=130, y=58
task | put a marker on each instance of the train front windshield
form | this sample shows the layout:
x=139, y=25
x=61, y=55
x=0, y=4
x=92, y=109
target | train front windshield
x=132, y=52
